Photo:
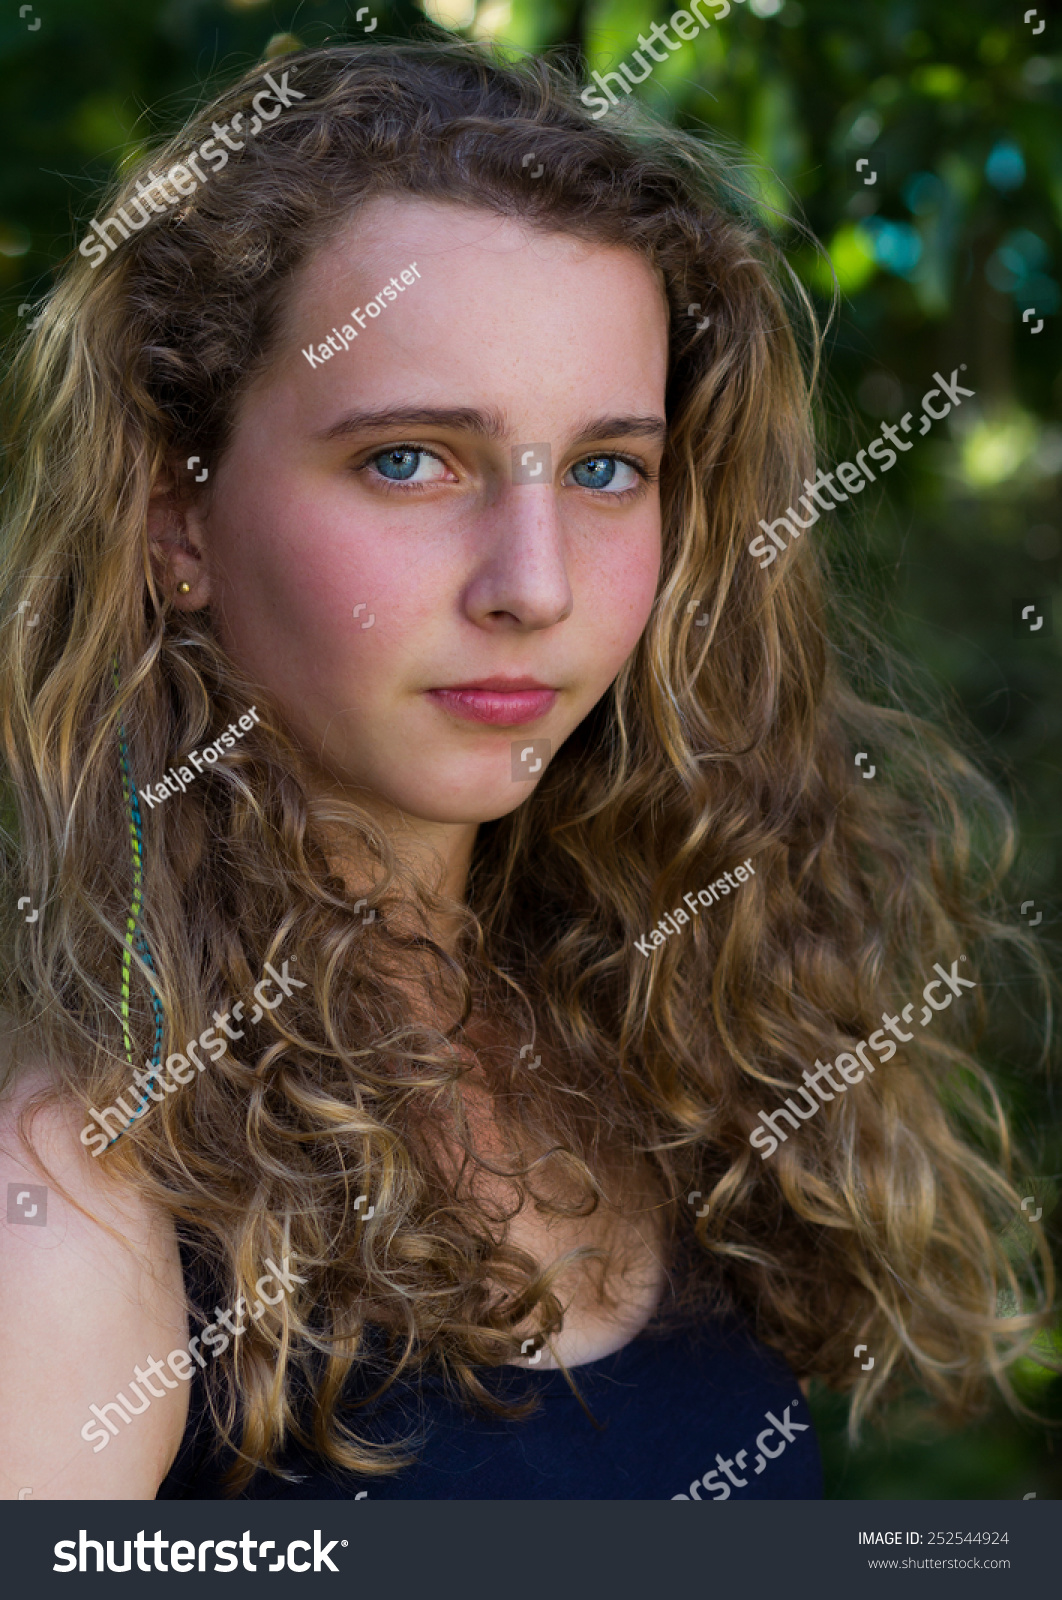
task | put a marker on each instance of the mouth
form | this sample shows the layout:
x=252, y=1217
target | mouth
x=504, y=702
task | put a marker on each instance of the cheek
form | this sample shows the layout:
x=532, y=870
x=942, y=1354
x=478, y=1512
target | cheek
x=290, y=571
x=620, y=587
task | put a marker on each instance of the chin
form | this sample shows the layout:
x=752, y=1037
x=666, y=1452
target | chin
x=473, y=809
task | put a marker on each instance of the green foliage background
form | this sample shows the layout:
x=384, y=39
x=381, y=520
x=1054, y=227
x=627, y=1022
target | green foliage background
x=956, y=105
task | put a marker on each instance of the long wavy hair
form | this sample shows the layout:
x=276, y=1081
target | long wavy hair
x=727, y=735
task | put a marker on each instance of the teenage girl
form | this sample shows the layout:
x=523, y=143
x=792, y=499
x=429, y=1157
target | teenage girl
x=468, y=1204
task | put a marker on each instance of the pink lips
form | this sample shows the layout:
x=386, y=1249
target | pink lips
x=504, y=702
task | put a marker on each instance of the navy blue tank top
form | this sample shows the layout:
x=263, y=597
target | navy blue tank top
x=705, y=1413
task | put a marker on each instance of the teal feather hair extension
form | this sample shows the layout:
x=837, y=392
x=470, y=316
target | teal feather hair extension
x=134, y=938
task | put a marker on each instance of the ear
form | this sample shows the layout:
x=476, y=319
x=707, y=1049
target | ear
x=178, y=546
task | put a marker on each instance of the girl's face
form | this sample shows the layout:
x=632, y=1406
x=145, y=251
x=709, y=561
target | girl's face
x=466, y=493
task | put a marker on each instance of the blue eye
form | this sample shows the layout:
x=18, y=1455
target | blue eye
x=398, y=465
x=596, y=472
x=602, y=472
x=408, y=463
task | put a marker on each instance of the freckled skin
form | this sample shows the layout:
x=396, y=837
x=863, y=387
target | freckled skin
x=468, y=576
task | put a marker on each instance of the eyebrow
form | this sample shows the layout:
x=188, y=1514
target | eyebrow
x=488, y=424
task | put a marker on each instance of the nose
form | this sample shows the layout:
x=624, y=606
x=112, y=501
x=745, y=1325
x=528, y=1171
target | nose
x=521, y=576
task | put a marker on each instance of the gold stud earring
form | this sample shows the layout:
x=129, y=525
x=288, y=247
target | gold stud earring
x=184, y=587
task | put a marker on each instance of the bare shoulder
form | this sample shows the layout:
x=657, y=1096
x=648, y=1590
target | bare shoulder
x=90, y=1288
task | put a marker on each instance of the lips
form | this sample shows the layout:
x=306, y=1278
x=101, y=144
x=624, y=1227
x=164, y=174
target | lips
x=499, y=685
x=503, y=702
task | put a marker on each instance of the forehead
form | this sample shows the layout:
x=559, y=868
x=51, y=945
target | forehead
x=475, y=265
x=465, y=237
x=539, y=326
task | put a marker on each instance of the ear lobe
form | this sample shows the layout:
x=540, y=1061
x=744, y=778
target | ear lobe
x=177, y=547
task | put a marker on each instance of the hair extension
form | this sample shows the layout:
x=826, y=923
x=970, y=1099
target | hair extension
x=136, y=839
